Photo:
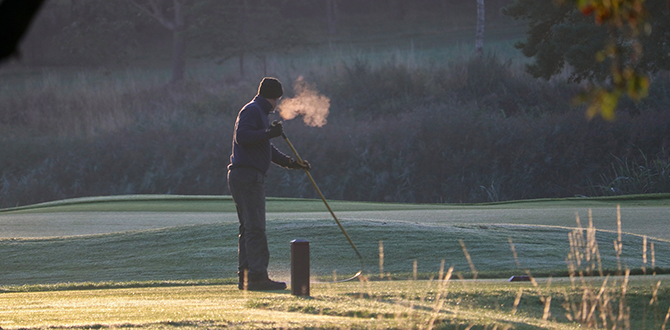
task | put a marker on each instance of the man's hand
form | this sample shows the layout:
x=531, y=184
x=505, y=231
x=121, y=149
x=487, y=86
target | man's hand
x=299, y=165
x=276, y=129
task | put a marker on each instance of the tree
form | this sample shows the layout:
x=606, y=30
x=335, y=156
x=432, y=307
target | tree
x=171, y=15
x=234, y=28
x=600, y=42
x=398, y=10
x=87, y=31
x=481, y=18
x=332, y=16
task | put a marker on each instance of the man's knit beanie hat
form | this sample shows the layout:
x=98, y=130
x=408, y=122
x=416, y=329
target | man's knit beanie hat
x=270, y=88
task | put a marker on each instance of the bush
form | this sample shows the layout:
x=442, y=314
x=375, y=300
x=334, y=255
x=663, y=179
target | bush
x=451, y=153
x=397, y=132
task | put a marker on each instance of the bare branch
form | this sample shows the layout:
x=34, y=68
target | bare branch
x=152, y=9
x=178, y=17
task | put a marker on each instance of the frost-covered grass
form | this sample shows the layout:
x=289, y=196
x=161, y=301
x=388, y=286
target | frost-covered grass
x=184, y=276
x=123, y=250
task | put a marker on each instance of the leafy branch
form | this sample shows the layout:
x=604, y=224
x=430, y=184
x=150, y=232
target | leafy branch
x=626, y=20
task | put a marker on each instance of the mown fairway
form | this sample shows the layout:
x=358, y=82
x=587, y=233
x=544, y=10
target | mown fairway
x=169, y=261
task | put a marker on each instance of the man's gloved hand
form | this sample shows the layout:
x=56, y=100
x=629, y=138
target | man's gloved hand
x=299, y=165
x=276, y=129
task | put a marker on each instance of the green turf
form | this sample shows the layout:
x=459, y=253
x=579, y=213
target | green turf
x=209, y=251
x=181, y=203
x=641, y=215
x=177, y=277
x=384, y=304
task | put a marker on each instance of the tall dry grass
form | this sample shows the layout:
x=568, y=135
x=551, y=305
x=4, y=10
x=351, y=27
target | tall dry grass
x=594, y=298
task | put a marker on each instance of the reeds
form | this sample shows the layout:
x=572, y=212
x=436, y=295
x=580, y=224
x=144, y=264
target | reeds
x=603, y=301
x=635, y=175
x=594, y=299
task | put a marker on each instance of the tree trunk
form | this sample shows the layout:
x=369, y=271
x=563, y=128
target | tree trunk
x=264, y=64
x=178, y=56
x=177, y=25
x=178, y=44
x=244, y=37
x=398, y=10
x=241, y=64
x=481, y=18
x=331, y=16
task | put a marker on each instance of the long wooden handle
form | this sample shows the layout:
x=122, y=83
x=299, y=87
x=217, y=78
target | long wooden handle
x=309, y=175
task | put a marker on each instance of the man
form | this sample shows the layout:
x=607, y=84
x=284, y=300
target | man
x=250, y=159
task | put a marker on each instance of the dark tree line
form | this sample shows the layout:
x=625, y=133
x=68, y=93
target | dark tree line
x=99, y=31
x=560, y=35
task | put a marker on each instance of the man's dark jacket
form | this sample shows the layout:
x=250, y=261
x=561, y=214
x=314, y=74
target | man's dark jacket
x=251, y=146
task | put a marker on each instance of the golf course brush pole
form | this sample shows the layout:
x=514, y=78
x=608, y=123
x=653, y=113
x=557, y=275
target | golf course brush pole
x=309, y=175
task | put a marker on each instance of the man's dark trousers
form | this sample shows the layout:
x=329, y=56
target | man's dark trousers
x=247, y=186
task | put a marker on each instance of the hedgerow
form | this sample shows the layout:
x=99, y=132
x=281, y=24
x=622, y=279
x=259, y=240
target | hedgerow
x=472, y=130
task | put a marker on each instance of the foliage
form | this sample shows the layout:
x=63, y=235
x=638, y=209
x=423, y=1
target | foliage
x=397, y=132
x=615, y=51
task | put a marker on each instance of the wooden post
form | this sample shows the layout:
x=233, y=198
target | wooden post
x=300, y=267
